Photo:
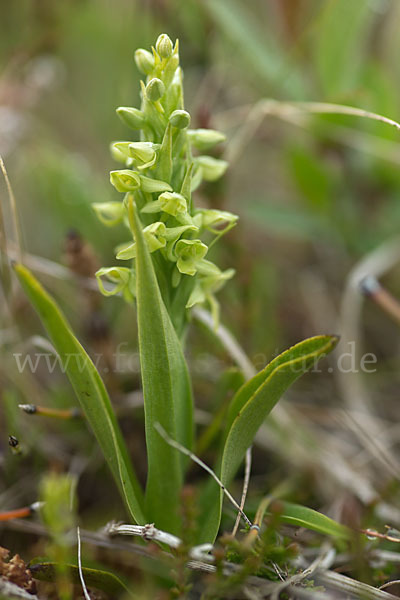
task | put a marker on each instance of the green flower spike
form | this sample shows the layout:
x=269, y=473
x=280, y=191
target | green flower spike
x=189, y=253
x=162, y=166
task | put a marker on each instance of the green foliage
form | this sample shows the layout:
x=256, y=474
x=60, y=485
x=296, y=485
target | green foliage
x=301, y=516
x=252, y=404
x=166, y=390
x=89, y=389
x=256, y=398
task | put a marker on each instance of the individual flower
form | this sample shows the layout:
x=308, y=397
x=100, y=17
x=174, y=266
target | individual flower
x=189, y=253
x=119, y=280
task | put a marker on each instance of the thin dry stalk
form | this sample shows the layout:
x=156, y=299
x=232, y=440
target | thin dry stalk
x=14, y=210
x=246, y=480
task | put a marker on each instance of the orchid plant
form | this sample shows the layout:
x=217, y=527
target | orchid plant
x=165, y=270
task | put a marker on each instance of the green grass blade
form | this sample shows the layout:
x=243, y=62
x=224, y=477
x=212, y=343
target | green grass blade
x=253, y=403
x=265, y=58
x=301, y=516
x=89, y=389
x=341, y=33
x=166, y=389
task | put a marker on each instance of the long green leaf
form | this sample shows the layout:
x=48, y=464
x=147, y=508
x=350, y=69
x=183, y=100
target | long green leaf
x=89, y=389
x=166, y=390
x=301, y=516
x=252, y=404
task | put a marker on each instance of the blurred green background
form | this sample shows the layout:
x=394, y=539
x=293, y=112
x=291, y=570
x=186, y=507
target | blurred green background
x=314, y=195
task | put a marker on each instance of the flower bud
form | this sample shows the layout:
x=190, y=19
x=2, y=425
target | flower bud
x=214, y=219
x=211, y=168
x=144, y=61
x=154, y=235
x=155, y=89
x=172, y=203
x=143, y=153
x=180, y=119
x=189, y=253
x=125, y=180
x=109, y=213
x=132, y=117
x=204, y=139
x=164, y=46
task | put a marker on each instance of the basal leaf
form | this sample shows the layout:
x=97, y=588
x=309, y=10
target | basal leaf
x=166, y=390
x=295, y=514
x=89, y=389
x=252, y=404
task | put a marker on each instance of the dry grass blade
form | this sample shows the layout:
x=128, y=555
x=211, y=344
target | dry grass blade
x=228, y=341
x=291, y=112
x=347, y=585
x=246, y=480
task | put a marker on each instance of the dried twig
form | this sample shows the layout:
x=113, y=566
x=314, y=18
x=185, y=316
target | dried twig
x=85, y=592
x=373, y=289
